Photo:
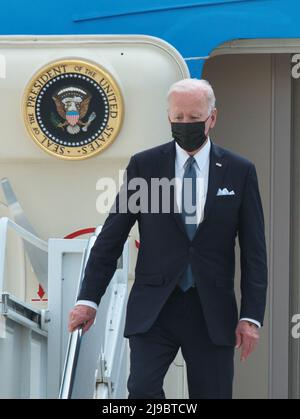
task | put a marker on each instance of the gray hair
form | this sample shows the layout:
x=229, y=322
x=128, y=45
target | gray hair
x=194, y=85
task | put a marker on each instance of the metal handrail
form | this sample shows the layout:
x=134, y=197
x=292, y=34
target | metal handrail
x=5, y=225
x=68, y=378
x=75, y=337
x=105, y=368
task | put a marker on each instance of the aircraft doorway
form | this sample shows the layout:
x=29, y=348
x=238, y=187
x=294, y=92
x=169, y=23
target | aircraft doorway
x=254, y=99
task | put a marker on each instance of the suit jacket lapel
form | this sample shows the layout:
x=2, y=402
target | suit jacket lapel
x=217, y=167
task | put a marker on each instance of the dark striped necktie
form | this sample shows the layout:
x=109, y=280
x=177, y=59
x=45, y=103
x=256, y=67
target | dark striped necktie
x=189, y=214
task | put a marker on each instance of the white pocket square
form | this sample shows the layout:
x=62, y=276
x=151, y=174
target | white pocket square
x=225, y=191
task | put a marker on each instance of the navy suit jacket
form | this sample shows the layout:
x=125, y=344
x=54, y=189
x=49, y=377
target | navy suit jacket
x=165, y=249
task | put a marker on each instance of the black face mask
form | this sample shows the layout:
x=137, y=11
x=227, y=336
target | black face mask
x=189, y=135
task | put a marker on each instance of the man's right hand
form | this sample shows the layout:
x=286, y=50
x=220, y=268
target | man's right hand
x=81, y=316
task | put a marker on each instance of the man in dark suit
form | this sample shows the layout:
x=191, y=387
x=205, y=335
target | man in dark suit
x=183, y=293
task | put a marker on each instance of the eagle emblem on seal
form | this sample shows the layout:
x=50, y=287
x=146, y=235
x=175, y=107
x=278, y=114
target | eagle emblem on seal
x=72, y=105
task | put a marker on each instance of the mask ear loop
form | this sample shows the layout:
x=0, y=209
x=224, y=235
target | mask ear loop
x=207, y=120
x=208, y=117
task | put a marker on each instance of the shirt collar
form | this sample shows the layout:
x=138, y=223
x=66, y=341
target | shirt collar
x=201, y=156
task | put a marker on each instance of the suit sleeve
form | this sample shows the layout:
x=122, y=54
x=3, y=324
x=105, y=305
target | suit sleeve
x=253, y=256
x=109, y=244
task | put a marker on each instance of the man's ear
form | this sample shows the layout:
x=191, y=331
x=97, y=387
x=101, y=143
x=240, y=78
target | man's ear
x=214, y=118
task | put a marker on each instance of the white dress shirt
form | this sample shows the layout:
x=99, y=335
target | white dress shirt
x=202, y=171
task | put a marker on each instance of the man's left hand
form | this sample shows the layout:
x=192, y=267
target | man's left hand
x=247, y=337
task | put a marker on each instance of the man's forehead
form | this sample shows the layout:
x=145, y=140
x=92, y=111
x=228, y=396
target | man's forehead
x=197, y=99
x=183, y=100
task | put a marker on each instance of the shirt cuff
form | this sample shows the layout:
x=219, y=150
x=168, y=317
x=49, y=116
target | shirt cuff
x=251, y=321
x=87, y=303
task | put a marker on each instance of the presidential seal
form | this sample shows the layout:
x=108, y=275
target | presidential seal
x=73, y=109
